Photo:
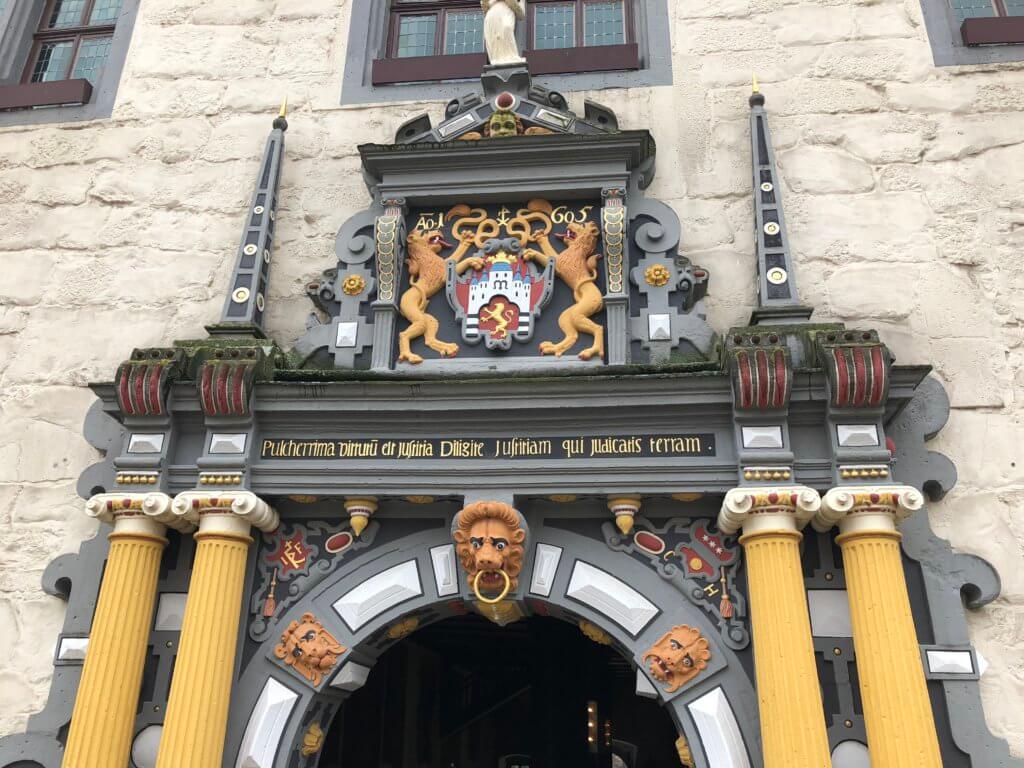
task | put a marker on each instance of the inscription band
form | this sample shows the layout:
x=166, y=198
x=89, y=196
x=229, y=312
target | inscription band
x=491, y=448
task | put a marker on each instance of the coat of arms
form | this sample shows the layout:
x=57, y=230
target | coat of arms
x=499, y=302
x=499, y=277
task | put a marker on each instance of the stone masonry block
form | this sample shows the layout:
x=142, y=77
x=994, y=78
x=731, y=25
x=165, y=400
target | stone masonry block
x=826, y=171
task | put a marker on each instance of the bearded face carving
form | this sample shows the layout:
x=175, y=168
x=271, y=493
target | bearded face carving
x=309, y=648
x=489, y=540
x=678, y=657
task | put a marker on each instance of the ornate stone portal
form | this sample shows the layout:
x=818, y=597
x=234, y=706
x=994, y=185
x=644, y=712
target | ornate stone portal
x=480, y=417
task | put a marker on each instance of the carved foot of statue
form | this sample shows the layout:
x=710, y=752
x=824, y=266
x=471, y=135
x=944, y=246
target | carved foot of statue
x=410, y=357
x=596, y=350
x=550, y=348
x=444, y=349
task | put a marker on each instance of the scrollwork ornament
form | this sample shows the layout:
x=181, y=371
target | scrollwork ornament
x=706, y=588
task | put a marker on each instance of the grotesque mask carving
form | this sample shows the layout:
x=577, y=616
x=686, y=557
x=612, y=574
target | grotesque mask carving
x=678, y=657
x=309, y=648
x=503, y=123
x=489, y=539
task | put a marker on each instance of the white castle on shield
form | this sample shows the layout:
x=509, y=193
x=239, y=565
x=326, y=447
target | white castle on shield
x=514, y=283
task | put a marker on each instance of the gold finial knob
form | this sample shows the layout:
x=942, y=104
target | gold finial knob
x=754, y=86
x=284, y=108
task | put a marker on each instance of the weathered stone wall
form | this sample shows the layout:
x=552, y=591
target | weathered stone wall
x=904, y=189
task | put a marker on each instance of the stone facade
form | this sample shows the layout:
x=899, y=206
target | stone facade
x=904, y=193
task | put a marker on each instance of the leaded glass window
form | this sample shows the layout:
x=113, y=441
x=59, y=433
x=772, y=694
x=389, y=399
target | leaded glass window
x=416, y=36
x=52, y=61
x=66, y=13
x=969, y=9
x=554, y=26
x=604, y=23
x=92, y=55
x=105, y=11
x=464, y=32
x=73, y=40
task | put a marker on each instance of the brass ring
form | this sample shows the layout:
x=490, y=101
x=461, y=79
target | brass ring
x=489, y=600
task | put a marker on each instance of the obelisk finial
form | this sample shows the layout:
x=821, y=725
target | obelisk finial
x=777, y=299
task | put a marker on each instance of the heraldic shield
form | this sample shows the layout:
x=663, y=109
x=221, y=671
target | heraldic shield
x=500, y=301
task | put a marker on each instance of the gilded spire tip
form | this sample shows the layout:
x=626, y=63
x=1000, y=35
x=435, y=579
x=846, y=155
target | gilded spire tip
x=280, y=122
x=756, y=97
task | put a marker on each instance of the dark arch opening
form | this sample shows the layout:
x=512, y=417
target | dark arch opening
x=466, y=693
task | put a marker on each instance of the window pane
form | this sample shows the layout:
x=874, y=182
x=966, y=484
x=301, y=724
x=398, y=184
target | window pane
x=416, y=36
x=66, y=13
x=969, y=9
x=92, y=55
x=105, y=12
x=604, y=23
x=464, y=33
x=52, y=63
x=1014, y=7
x=554, y=26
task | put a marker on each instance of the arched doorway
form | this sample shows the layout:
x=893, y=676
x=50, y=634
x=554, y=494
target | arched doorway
x=466, y=693
x=407, y=572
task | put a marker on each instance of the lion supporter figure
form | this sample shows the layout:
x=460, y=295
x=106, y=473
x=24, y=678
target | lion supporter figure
x=500, y=30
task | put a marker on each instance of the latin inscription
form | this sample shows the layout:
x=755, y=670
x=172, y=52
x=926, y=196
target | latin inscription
x=578, y=447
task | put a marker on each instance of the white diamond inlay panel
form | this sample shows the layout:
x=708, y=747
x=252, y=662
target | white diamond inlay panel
x=950, y=662
x=446, y=575
x=545, y=565
x=610, y=596
x=266, y=725
x=351, y=677
x=378, y=593
x=719, y=732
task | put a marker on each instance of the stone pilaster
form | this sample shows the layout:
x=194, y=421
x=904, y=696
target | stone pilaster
x=789, y=695
x=104, y=714
x=897, y=711
x=197, y=710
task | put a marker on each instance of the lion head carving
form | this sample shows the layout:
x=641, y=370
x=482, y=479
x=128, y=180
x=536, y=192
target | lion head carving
x=432, y=239
x=309, y=648
x=678, y=657
x=489, y=540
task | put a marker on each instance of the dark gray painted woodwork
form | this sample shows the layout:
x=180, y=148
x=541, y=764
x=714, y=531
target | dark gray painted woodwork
x=245, y=304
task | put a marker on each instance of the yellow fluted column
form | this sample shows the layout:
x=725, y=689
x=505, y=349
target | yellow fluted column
x=102, y=721
x=897, y=711
x=197, y=709
x=789, y=695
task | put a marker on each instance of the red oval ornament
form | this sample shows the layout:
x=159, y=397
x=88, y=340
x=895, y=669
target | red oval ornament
x=339, y=542
x=648, y=542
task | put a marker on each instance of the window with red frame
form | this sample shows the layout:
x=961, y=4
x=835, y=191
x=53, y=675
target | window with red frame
x=444, y=40
x=990, y=22
x=73, y=40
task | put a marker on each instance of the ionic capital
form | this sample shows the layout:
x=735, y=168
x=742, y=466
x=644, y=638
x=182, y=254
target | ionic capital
x=865, y=506
x=232, y=511
x=136, y=512
x=786, y=508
